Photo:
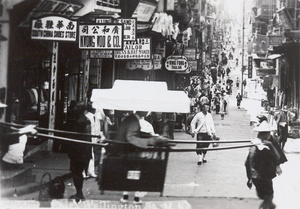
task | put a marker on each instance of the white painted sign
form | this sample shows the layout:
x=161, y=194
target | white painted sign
x=101, y=36
x=54, y=28
x=134, y=175
x=139, y=49
x=129, y=28
x=144, y=11
x=104, y=20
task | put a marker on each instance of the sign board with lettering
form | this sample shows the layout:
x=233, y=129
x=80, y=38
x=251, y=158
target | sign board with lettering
x=176, y=63
x=187, y=71
x=108, y=5
x=190, y=53
x=97, y=54
x=275, y=40
x=134, y=175
x=157, y=60
x=129, y=28
x=104, y=20
x=144, y=11
x=54, y=28
x=101, y=36
x=193, y=64
x=139, y=49
x=250, y=66
x=139, y=64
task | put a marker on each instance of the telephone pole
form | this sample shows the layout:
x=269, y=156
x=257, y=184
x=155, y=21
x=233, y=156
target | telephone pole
x=243, y=31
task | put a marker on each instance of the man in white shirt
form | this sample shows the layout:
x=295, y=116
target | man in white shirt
x=203, y=126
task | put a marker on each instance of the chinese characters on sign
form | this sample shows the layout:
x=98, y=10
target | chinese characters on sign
x=157, y=60
x=129, y=28
x=54, y=28
x=250, y=66
x=53, y=84
x=104, y=36
x=101, y=54
x=139, y=49
x=139, y=64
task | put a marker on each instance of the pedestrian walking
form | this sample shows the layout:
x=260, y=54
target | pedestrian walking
x=282, y=129
x=238, y=100
x=237, y=82
x=203, y=126
x=262, y=165
x=95, y=119
x=216, y=99
x=80, y=154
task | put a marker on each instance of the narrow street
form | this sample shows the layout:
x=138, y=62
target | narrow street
x=219, y=183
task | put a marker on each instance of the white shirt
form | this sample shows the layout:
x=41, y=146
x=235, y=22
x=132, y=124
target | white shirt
x=203, y=124
x=16, y=151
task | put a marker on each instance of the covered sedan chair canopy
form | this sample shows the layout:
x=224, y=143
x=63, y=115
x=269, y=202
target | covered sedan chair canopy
x=141, y=96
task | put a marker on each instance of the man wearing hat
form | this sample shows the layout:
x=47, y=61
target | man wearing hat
x=282, y=123
x=262, y=165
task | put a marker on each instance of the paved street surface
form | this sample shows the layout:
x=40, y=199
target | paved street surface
x=218, y=184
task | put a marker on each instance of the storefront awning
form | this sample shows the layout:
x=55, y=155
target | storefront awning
x=255, y=56
x=274, y=56
x=265, y=71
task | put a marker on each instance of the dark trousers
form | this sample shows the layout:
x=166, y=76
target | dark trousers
x=217, y=108
x=283, y=133
x=77, y=167
x=171, y=124
x=264, y=188
x=201, y=137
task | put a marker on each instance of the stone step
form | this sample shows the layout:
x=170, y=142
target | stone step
x=15, y=178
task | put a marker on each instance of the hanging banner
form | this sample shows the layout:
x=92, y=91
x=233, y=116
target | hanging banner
x=54, y=28
x=129, y=28
x=101, y=36
x=139, y=49
x=176, y=63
